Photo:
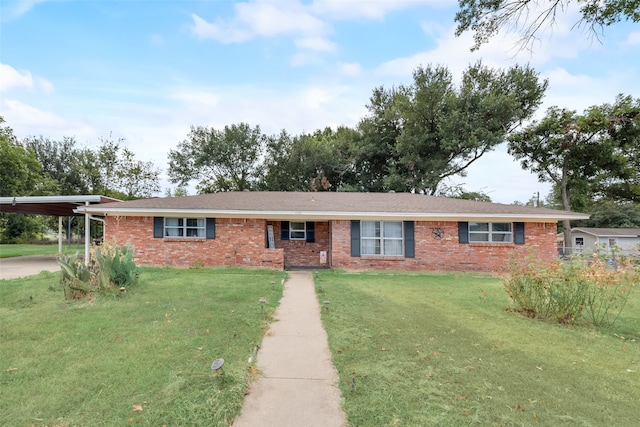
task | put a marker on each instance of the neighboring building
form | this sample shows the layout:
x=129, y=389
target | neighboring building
x=352, y=231
x=625, y=239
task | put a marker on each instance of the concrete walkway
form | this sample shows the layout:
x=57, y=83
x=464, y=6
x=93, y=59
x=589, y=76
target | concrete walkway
x=298, y=383
x=11, y=268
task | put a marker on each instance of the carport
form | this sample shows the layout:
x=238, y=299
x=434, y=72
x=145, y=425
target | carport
x=59, y=206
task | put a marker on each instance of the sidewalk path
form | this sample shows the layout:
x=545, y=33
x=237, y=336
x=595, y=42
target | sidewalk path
x=298, y=383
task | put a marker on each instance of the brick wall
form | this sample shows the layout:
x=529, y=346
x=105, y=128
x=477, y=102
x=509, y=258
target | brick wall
x=300, y=253
x=444, y=254
x=241, y=242
x=238, y=242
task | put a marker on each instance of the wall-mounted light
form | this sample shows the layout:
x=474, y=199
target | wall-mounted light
x=14, y=202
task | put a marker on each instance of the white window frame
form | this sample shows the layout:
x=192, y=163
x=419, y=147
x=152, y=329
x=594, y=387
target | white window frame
x=185, y=228
x=381, y=238
x=297, y=233
x=491, y=233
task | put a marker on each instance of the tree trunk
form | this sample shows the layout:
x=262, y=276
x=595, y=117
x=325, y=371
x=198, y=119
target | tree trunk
x=566, y=224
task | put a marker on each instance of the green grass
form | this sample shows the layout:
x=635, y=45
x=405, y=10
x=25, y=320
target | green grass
x=8, y=251
x=443, y=350
x=87, y=363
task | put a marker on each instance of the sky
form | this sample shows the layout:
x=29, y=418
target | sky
x=148, y=70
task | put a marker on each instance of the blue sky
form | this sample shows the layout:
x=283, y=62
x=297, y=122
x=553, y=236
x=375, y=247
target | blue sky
x=146, y=71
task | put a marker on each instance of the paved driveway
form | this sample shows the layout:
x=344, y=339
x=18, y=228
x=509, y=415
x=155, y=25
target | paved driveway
x=22, y=266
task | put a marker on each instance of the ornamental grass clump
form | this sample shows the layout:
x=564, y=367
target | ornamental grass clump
x=110, y=272
x=596, y=287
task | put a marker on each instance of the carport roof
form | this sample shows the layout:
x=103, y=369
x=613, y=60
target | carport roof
x=50, y=205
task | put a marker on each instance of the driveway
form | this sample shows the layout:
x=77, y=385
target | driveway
x=22, y=266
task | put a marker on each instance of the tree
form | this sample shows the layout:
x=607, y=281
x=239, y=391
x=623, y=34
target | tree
x=308, y=162
x=418, y=135
x=458, y=192
x=19, y=168
x=112, y=170
x=487, y=17
x=136, y=179
x=19, y=173
x=622, y=124
x=227, y=160
x=610, y=214
x=61, y=171
x=573, y=151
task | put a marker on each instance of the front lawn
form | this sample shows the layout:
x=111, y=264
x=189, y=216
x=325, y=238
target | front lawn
x=430, y=349
x=143, y=359
x=13, y=250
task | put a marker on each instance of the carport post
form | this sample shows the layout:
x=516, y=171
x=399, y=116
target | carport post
x=87, y=235
x=59, y=234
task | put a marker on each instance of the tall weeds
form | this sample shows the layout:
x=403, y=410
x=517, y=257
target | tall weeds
x=595, y=288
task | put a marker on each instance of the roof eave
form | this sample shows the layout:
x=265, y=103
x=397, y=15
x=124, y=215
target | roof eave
x=330, y=215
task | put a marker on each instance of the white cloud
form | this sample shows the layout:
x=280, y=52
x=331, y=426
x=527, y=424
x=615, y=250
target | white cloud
x=261, y=19
x=39, y=122
x=317, y=44
x=350, y=68
x=10, y=78
x=371, y=10
x=634, y=38
x=13, y=9
x=305, y=58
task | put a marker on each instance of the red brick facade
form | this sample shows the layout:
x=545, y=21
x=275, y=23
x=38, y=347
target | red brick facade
x=445, y=253
x=244, y=242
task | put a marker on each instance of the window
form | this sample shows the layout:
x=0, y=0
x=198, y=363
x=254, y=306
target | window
x=490, y=232
x=184, y=227
x=297, y=231
x=579, y=241
x=381, y=238
x=613, y=242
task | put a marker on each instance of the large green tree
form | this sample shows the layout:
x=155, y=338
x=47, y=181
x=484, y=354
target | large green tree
x=485, y=18
x=220, y=160
x=578, y=152
x=111, y=169
x=19, y=176
x=417, y=135
x=309, y=162
x=61, y=170
x=19, y=168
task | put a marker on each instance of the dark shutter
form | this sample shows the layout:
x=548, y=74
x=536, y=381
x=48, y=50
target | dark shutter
x=355, y=237
x=463, y=232
x=284, y=230
x=409, y=242
x=211, y=228
x=158, y=227
x=519, y=233
x=311, y=231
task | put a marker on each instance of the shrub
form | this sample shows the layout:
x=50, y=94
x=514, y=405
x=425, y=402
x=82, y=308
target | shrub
x=110, y=271
x=597, y=287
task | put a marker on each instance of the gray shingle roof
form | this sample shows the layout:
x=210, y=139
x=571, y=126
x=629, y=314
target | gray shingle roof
x=609, y=232
x=327, y=205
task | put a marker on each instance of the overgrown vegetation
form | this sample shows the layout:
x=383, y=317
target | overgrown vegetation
x=143, y=360
x=440, y=349
x=111, y=271
x=594, y=288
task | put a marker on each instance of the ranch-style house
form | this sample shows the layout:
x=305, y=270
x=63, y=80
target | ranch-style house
x=350, y=231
